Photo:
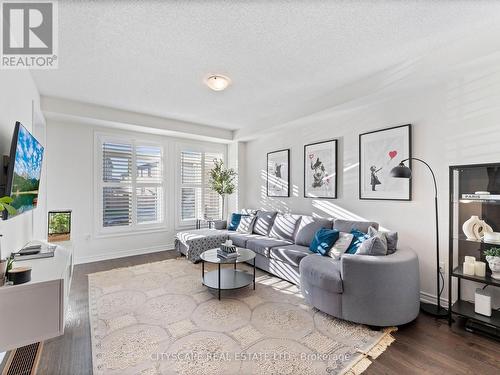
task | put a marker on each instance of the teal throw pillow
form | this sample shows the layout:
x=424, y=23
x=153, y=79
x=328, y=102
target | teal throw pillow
x=235, y=221
x=323, y=240
x=359, y=238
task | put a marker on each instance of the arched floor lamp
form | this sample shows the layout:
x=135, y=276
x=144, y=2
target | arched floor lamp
x=402, y=171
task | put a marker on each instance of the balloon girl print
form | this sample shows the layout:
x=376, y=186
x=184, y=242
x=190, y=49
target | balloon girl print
x=374, y=179
x=380, y=151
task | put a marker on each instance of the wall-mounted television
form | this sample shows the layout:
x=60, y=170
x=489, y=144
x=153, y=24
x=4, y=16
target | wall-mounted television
x=25, y=167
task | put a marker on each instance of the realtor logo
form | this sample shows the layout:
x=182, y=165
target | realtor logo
x=29, y=35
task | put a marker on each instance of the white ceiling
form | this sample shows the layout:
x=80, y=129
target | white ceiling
x=151, y=56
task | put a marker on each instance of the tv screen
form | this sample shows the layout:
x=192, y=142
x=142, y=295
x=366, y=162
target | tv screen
x=25, y=166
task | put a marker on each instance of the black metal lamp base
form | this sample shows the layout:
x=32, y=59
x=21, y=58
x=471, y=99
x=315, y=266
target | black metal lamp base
x=433, y=310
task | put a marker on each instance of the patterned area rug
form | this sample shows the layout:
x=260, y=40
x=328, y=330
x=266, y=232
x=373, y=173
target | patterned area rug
x=159, y=319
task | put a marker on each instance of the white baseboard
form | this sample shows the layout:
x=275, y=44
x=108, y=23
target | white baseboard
x=431, y=298
x=122, y=254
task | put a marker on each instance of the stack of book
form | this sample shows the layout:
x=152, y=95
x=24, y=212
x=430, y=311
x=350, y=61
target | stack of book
x=227, y=252
x=228, y=248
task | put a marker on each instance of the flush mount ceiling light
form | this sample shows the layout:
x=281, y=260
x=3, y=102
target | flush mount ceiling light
x=217, y=82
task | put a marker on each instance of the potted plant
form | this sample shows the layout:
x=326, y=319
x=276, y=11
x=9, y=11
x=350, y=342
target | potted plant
x=493, y=259
x=5, y=205
x=222, y=181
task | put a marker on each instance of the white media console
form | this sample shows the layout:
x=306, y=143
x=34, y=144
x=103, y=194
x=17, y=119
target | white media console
x=35, y=311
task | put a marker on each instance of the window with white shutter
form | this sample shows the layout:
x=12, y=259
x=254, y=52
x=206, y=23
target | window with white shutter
x=130, y=185
x=197, y=200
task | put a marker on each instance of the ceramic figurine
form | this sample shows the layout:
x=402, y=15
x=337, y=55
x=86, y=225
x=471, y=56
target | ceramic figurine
x=475, y=228
x=494, y=263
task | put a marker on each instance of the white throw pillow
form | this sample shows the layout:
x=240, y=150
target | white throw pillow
x=341, y=245
x=246, y=224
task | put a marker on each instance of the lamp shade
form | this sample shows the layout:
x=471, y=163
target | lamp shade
x=401, y=171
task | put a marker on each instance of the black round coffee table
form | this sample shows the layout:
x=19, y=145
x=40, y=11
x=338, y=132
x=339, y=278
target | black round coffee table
x=227, y=278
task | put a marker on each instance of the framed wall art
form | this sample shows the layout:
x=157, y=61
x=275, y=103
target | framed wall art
x=379, y=152
x=278, y=173
x=320, y=170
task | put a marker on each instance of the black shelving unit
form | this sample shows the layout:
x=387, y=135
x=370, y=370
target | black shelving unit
x=464, y=180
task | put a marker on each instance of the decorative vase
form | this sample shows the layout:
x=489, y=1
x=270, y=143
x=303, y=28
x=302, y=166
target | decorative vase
x=475, y=228
x=494, y=263
x=481, y=229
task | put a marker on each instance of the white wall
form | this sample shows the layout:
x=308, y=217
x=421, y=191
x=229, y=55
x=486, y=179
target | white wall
x=236, y=161
x=455, y=121
x=19, y=101
x=70, y=185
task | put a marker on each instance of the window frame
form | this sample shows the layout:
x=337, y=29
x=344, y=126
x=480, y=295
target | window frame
x=134, y=228
x=193, y=147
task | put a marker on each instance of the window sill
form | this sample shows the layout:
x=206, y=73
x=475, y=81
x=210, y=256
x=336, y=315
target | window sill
x=132, y=232
x=182, y=227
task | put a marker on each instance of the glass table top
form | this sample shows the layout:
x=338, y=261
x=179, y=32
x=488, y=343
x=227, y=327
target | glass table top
x=211, y=256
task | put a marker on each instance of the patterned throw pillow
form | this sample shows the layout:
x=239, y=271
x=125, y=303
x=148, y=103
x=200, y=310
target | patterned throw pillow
x=246, y=224
x=341, y=246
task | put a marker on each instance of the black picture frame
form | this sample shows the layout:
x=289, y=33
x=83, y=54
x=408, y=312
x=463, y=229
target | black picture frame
x=336, y=156
x=287, y=195
x=397, y=159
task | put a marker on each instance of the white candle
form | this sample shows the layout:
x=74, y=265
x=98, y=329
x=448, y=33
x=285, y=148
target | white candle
x=469, y=269
x=469, y=259
x=480, y=269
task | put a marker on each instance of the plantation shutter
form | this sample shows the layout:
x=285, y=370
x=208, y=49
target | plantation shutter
x=149, y=184
x=148, y=161
x=131, y=184
x=191, y=180
x=117, y=192
x=197, y=199
x=211, y=200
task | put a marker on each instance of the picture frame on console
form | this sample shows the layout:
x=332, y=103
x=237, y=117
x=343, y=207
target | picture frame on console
x=379, y=152
x=320, y=169
x=278, y=173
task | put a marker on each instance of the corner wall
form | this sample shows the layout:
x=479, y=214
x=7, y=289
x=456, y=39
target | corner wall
x=19, y=101
x=456, y=121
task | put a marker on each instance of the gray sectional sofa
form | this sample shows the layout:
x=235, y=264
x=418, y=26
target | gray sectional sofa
x=373, y=290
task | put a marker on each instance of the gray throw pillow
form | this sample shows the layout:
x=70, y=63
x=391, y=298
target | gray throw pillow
x=376, y=245
x=391, y=237
x=263, y=222
x=284, y=227
x=308, y=227
x=246, y=224
x=347, y=226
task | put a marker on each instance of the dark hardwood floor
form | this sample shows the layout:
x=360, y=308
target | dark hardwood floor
x=71, y=353
x=424, y=346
